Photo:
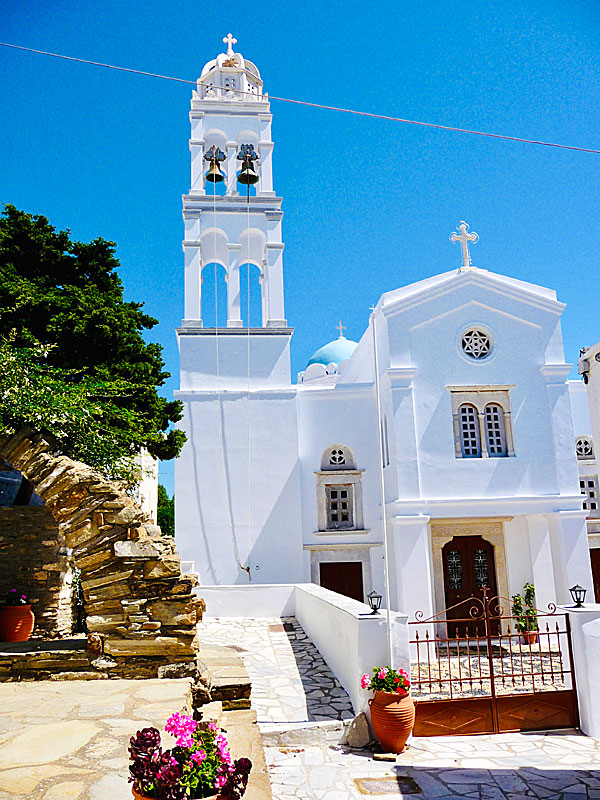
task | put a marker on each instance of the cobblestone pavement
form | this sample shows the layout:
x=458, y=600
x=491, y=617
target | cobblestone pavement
x=552, y=766
x=67, y=740
x=290, y=680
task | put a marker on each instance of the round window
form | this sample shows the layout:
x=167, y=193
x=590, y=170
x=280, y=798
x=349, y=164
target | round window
x=476, y=343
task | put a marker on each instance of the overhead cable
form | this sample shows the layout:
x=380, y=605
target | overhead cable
x=321, y=105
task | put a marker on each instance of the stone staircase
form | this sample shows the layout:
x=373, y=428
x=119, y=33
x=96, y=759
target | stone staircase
x=222, y=677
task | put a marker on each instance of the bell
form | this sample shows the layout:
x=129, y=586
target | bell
x=247, y=176
x=214, y=174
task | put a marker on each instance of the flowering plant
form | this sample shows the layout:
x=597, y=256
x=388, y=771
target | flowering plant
x=386, y=679
x=199, y=765
x=13, y=598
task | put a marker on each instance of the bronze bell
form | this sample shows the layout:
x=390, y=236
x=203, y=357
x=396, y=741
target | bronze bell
x=214, y=174
x=247, y=176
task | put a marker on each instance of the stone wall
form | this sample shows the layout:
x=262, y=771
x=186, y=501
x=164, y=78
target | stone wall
x=33, y=560
x=141, y=613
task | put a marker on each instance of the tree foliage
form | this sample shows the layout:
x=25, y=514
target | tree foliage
x=165, y=511
x=79, y=365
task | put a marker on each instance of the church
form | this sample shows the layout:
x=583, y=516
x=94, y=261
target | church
x=431, y=458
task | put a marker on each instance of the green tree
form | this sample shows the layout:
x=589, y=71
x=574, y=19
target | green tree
x=67, y=295
x=165, y=511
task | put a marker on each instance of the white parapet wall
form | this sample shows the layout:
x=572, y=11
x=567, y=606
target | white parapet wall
x=351, y=639
x=585, y=638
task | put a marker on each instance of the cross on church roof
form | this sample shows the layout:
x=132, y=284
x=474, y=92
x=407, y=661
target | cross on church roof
x=341, y=328
x=464, y=238
x=229, y=40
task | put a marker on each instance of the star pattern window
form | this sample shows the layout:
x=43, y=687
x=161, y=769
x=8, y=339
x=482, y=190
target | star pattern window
x=476, y=343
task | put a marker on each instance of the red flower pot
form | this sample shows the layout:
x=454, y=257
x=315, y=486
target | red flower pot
x=16, y=623
x=392, y=718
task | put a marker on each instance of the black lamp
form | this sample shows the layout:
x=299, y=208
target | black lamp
x=374, y=601
x=578, y=594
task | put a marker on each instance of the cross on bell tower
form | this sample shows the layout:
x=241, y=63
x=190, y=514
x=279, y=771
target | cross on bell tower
x=464, y=238
x=229, y=40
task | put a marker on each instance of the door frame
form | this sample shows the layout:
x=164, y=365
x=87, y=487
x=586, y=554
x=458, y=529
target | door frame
x=444, y=530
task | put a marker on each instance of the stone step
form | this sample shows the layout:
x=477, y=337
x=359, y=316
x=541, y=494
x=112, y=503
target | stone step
x=222, y=676
x=212, y=712
x=278, y=734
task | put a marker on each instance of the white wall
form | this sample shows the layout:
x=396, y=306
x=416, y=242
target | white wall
x=585, y=637
x=350, y=638
x=213, y=488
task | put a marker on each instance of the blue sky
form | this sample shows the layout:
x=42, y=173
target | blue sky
x=369, y=204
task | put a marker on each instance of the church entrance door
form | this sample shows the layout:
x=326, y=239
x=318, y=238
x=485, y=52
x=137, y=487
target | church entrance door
x=469, y=565
x=343, y=577
x=595, y=559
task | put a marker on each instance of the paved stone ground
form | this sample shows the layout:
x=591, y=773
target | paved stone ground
x=553, y=766
x=67, y=740
x=290, y=680
x=284, y=666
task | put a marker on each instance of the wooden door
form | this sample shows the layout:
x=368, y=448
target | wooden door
x=468, y=566
x=343, y=577
x=595, y=559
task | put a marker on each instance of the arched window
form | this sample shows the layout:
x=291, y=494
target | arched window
x=495, y=433
x=470, y=440
x=338, y=457
x=584, y=447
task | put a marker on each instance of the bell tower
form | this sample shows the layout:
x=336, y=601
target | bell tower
x=231, y=149
x=237, y=479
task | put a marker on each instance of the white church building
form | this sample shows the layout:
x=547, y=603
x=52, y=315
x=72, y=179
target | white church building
x=440, y=446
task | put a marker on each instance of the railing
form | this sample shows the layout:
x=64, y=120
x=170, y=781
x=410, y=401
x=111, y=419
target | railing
x=487, y=654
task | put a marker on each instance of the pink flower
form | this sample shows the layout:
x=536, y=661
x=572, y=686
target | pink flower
x=198, y=756
x=382, y=672
x=220, y=781
x=364, y=681
x=212, y=726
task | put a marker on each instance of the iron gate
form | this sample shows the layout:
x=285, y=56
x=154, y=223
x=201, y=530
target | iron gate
x=474, y=671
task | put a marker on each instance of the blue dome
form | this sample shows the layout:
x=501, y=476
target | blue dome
x=334, y=353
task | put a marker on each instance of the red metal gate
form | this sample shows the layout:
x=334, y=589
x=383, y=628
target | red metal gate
x=489, y=677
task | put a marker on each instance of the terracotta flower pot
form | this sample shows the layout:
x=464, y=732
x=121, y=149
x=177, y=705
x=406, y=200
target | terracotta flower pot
x=140, y=796
x=392, y=718
x=16, y=623
x=529, y=637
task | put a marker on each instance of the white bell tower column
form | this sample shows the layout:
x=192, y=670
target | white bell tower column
x=237, y=481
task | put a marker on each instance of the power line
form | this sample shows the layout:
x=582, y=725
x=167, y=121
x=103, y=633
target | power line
x=370, y=114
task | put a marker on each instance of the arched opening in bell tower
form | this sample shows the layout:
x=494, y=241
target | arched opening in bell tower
x=214, y=295
x=251, y=301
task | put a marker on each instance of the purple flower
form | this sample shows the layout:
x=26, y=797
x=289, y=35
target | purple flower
x=144, y=743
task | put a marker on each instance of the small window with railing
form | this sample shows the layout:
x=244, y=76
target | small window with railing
x=588, y=485
x=339, y=507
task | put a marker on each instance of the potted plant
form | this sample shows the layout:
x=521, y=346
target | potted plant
x=199, y=765
x=392, y=709
x=525, y=614
x=16, y=618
